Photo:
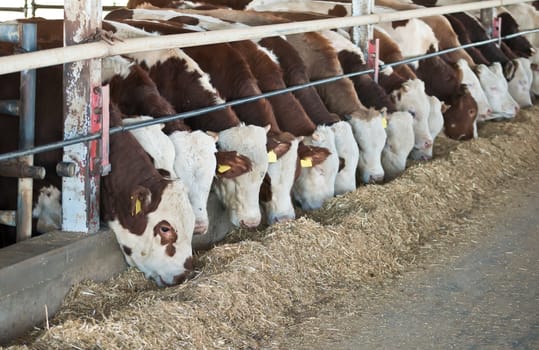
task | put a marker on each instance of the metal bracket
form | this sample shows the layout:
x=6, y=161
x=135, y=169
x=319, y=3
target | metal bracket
x=373, y=60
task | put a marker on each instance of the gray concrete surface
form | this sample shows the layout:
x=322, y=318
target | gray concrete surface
x=480, y=295
x=41, y=270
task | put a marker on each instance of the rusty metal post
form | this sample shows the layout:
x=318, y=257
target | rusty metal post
x=486, y=16
x=82, y=111
x=27, y=108
x=362, y=34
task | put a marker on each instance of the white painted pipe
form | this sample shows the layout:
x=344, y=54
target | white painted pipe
x=44, y=58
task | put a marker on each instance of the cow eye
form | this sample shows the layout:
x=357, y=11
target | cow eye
x=165, y=228
x=412, y=113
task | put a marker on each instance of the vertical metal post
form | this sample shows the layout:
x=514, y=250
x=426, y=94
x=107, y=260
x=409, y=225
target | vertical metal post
x=362, y=34
x=33, y=8
x=486, y=16
x=82, y=111
x=28, y=39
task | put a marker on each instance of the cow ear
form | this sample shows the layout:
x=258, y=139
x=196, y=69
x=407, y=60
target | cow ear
x=139, y=200
x=230, y=164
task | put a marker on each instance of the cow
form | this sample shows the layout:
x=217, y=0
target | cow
x=492, y=80
x=399, y=144
x=149, y=213
x=460, y=117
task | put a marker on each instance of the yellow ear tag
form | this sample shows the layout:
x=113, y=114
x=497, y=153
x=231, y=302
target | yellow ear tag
x=272, y=156
x=306, y=162
x=138, y=206
x=223, y=168
x=384, y=122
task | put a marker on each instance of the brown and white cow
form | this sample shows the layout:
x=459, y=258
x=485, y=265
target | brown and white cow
x=150, y=214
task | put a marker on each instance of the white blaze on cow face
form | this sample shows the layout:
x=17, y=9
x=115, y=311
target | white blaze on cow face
x=316, y=184
x=411, y=97
x=195, y=165
x=114, y=65
x=348, y=150
x=155, y=143
x=399, y=143
x=48, y=209
x=495, y=86
x=163, y=251
x=370, y=137
x=436, y=125
x=473, y=84
x=520, y=86
x=282, y=174
x=240, y=194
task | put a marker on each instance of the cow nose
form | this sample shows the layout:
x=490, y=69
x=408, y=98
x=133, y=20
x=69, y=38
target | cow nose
x=375, y=178
x=249, y=223
x=425, y=157
x=283, y=218
x=200, y=228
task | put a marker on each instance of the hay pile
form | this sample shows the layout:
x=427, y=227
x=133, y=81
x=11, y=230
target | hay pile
x=251, y=288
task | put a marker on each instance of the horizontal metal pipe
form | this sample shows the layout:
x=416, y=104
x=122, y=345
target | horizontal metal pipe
x=45, y=58
x=61, y=7
x=21, y=170
x=10, y=107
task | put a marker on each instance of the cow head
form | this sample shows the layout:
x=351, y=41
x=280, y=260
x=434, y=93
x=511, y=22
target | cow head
x=495, y=86
x=195, y=165
x=275, y=193
x=149, y=214
x=370, y=137
x=411, y=97
x=239, y=174
x=399, y=143
x=319, y=164
x=484, y=110
x=519, y=87
x=348, y=151
x=534, y=59
x=460, y=118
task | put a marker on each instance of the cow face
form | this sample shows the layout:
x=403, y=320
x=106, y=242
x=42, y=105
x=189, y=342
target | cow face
x=495, y=86
x=195, y=165
x=163, y=250
x=411, y=97
x=275, y=193
x=436, y=118
x=237, y=184
x=348, y=151
x=535, y=73
x=319, y=167
x=519, y=87
x=155, y=143
x=473, y=84
x=399, y=143
x=370, y=136
x=460, y=118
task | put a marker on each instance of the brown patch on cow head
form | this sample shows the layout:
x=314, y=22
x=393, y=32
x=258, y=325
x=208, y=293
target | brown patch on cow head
x=168, y=236
x=184, y=276
x=184, y=20
x=128, y=251
x=119, y=15
x=396, y=24
x=338, y=11
x=231, y=164
x=342, y=163
x=140, y=199
x=265, y=194
x=460, y=117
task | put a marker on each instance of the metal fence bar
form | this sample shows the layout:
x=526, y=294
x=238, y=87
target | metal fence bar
x=27, y=106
